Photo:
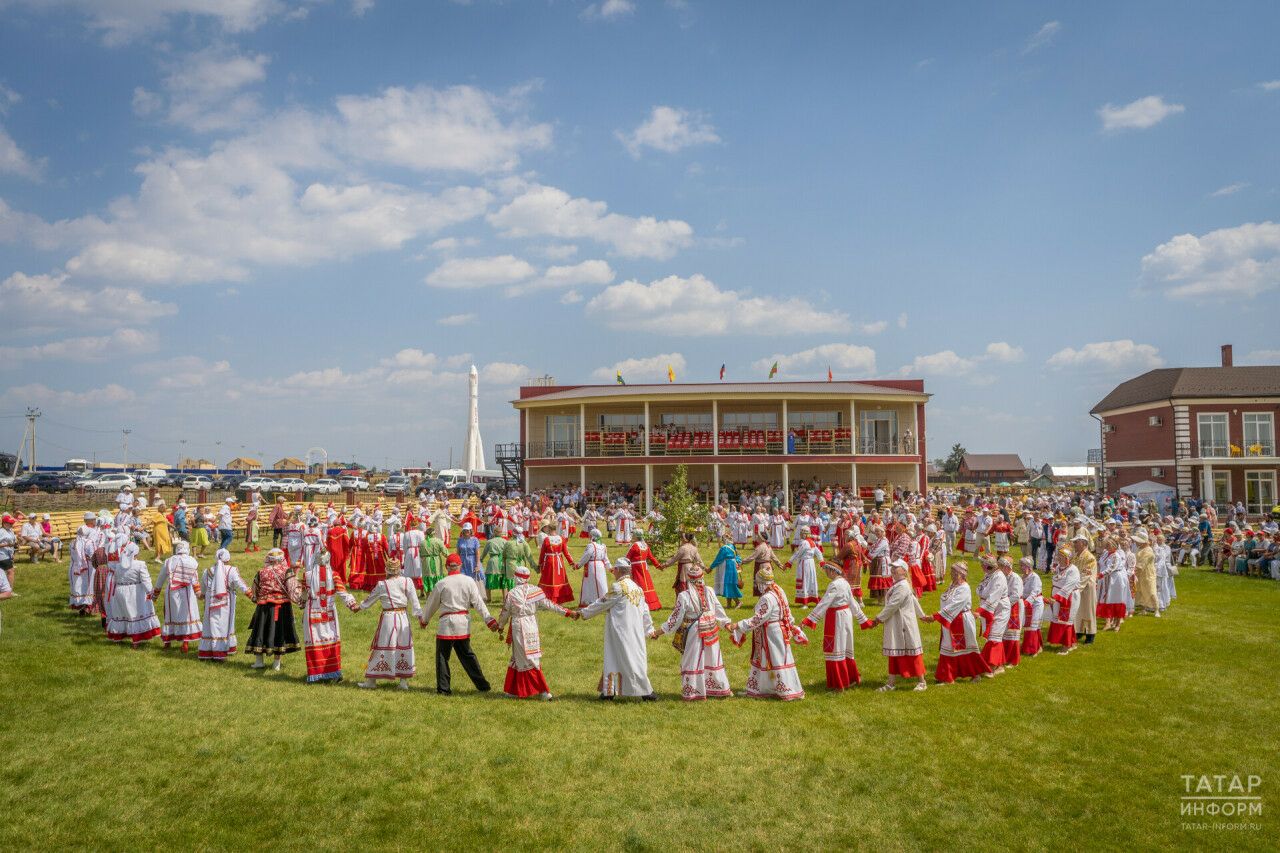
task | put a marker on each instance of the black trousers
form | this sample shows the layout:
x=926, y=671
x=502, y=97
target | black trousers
x=276, y=535
x=466, y=657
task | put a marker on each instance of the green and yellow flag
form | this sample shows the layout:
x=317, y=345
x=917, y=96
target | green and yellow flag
x=621, y=381
x=671, y=374
x=773, y=371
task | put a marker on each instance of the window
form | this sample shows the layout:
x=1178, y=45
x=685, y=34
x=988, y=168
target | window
x=1259, y=434
x=1222, y=487
x=620, y=423
x=878, y=431
x=1213, y=435
x=562, y=435
x=1259, y=492
x=690, y=421
x=808, y=420
x=750, y=420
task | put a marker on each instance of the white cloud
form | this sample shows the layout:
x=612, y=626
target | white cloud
x=951, y=364
x=1239, y=261
x=696, y=306
x=204, y=90
x=8, y=99
x=503, y=373
x=668, y=129
x=39, y=394
x=642, y=370
x=609, y=10
x=1042, y=37
x=121, y=21
x=47, y=301
x=559, y=251
x=481, y=272
x=543, y=211
x=570, y=297
x=15, y=161
x=902, y=320
x=187, y=373
x=872, y=328
x=848, y=359
x=461, y=128
x=457, y=320
x=1003, y=352
x=1229, y=189
x=1270, y=86
x=1137, y=115
x=586, y=273
x=1263, y=356
x=119, y=344
x=1108, y=356
x=360, y=7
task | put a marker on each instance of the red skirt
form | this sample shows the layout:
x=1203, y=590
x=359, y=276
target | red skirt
x=1012, y=655
x=1111, y=611
x=877, y=583
x=1031, y=643
x=959, y=666
x=908, y=666
x=640, y=575
x=993, y=653
x=324, y=662
x=918, y=582
x=531, y=682
x=552, y=581
x=1061, y=635
x=842, y=674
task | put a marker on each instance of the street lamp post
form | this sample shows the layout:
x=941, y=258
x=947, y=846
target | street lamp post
x=125, y=463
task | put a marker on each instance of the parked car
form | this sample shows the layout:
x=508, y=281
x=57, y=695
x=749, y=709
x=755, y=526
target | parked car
x=195, y=482
x=149, y=476
x=173, y=480
x=256, y=483
x=352, y=481
x=290, y=485
x=396, y=484
x=324, y=486
x=462, y=490
x=53, y=482
x=110, y=482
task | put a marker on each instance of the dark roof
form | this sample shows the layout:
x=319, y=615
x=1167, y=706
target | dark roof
x=993, y=462
x=1168, y=382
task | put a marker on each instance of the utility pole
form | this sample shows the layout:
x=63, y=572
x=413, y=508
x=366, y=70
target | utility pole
x=32, y=416
x=125, y=463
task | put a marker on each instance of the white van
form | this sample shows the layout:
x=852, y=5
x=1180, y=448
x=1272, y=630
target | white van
x=451, y=477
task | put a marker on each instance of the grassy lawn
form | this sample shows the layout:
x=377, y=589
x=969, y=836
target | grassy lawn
x=106, y=747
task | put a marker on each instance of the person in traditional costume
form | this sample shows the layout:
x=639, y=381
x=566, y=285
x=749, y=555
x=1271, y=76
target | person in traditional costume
x=740, y=527
x=642, y=558
x=777, y=530
x=106, y=557
x=1032, y=608
x=454, y=597
x=805, y=558
x=468, y=548
x=880, y=578
x=685, y=557
x=762, y=557
x=728, y=583
x=627, y=623
x=903, y=547
x=337, y=543
x=271, y=629
x=1064, y=601
x=395, y=527
x=133, y=616
x=958, y=653
x=624, y=521
x=80, y=570
x=772, y=630
x=220, y=584
x=434, y=555
x=1086, y=613
x=839, y=610
x=519, y=615
x=410, y=548
x=1013, y=628
x=553, y=556
x=179, y=582
x=925, y=548
x=391, y=655
x=375, y=554
x=442, y=523
x=993, y=607
x=515, y=553
x=1113, y=584
x=320, y=589
x=161, y=534
x=313, y=542
x=1001, y=536
x=901, y=643
x=594, y=563
x=293, y=538
x=491, y=557
x=852, y=558
x=1145, y=593
x=1165, y=591
x=199, y=531
x=251, y=528
x=694, y=626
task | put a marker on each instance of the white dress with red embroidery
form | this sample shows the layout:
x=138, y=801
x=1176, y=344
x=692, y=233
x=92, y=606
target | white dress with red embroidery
x=839, y=611
x=321, y=636
x=222, y=582
x=773, y=667
x=1063, y=605
x=391, y=654
x=901, y=643
x=179, y=582
x=1013, y=630
x=1032, y=611
x=410, y=544
x=958, y=654
x=699, y=615
x=805, y=559
x=593, y=562
x=80, y=572
x=133, y=616
x=520, y=616
x=993, y=607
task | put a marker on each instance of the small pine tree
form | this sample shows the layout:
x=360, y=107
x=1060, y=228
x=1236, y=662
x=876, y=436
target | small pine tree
x=681, y=514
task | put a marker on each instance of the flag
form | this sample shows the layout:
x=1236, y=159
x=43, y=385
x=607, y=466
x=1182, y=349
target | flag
x=621, y=381
x=828, y=373
x=722, y=373
x=773, y=371
x=671, y=374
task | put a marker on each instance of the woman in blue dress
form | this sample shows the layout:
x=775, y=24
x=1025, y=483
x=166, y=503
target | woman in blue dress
x=726, y=568
x=468, y=548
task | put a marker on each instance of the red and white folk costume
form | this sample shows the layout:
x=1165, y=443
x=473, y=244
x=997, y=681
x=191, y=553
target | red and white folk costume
x=805, y=558
x=641, y=558
x=901, y=642
x=958, y=654
x=221, y=583
x=1032, y=609
x=80, y=572
x=773, y=667
x=594, y=564
x=1013, y=630
x=878, y=579
x=839, y=610
x=133, y=616
x=993, y=607
x=928, y=580
x=1063, y=604
x=321, y=637
x=553, y=557
x=391, y=653
x=519, y=615
x=179, y=583
x=694, y=624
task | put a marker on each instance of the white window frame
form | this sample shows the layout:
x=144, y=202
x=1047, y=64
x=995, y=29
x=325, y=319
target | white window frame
x=1263, y=474
x=1267, y=418
x=1200, y=440
x=1227, y=476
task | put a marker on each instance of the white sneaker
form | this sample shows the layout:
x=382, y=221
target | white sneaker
x=404, y=685
x=545, y=697
x=367, y=685
x=1157, y=614
x=275, y=667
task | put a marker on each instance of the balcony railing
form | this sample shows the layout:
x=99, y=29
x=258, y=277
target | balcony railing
x=1219, y=450
x=800, y=442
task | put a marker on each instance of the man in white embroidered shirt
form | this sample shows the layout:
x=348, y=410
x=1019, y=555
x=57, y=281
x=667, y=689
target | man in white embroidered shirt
x=455, y=596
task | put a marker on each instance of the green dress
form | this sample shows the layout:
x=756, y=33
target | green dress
x=491, y=556
x=433, y=556
x=514, y=553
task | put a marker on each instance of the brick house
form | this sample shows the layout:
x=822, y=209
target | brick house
x=1209, y=432
x=991, y=468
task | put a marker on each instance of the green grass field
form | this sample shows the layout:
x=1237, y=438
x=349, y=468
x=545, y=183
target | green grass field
x=106, y=747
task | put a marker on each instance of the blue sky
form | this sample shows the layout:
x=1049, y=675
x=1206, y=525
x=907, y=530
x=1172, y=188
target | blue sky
x=296, y=223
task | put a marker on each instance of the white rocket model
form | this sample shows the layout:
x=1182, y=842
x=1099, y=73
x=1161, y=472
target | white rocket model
x=473, y=450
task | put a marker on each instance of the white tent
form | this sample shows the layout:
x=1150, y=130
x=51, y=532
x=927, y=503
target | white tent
x=1148, y=490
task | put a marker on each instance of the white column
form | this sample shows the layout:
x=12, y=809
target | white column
x=715, y=475
x=582, y=430
x=853, y=480
x=715, y=432
x=648, y=482
x=646, y=428
x=1206, y=482
x=582, y=478
x=786, y=484
x=785, y=427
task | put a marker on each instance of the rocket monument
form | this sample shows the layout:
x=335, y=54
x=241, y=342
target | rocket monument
x=473, y=449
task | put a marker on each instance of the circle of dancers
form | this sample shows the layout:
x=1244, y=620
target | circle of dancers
x=413, y=573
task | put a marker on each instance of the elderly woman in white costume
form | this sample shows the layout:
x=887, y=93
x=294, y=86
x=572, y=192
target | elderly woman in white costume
x=391, y=653
x=773, y=667
x=1165, y=571
x=838, y=610
x=694, y=625
x=321, y=638
x=1064, y=601
x=993, y=607
x=133, y=616
x=80, y=572
x=626, y=624
x=1032, y=608
x=221, y=582
x=805, y=558
x=1013, y=628
x=179, y=582
x=958, y=654
x=594, y=562
x=1113, y=585
x=900, y=615
x=519, y=615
